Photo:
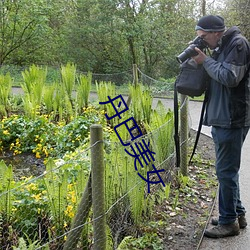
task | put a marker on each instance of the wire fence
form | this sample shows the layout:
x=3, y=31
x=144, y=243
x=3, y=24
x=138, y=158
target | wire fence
x=160, y=87
x=57, y=209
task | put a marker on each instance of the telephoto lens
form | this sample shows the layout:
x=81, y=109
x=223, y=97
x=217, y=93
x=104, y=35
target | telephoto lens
x=190, y=51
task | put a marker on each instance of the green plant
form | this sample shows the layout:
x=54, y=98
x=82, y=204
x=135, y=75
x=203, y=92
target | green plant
x=105, y=90
x=30, y=207
x=22, y=134
x=58, y=193
x=58, y=102
x=56, y=187
x=184, y=181
x=160, y=130
x=141, y=103
x=48, y=98
x=28, y=245
x=136, y=198
x=167, y=191
x=6, y=204
x=68, y=74
x=43, y=137
x=6, y=184
x=34, y=81
x=83, y=91
x=147, y=241
x=176, y=199
x=5, y=90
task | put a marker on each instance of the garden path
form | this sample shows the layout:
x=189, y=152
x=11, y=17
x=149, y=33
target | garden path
x=241, y=242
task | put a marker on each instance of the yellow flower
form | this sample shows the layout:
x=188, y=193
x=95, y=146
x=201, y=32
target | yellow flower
x=14, y=209
x=38, y=156
x=6, y=132
x=45, y=151
x=16, y=152
x=37, y=196
x=73, y=199
x=31, y=187
x=69, y=211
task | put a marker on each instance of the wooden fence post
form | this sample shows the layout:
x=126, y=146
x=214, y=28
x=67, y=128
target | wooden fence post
x=135, y=82
x=135, y=74
x=80, y=218
x=98, y=194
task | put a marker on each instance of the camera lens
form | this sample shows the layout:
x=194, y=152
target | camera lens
x=187, y=53
x=190, y=51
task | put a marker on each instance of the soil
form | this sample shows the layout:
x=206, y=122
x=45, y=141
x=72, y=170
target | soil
x=187, y=222
x=25, y=164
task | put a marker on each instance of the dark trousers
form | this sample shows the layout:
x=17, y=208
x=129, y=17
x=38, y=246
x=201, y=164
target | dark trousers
x=228, y=145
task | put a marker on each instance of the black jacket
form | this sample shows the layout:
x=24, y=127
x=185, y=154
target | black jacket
x=229, y=90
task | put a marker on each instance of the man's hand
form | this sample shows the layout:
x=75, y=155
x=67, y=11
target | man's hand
x=200, y=58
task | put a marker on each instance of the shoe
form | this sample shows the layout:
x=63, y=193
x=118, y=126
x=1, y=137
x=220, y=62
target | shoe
x=241, y=219
x=221, y=231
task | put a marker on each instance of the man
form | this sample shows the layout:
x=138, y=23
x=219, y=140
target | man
x=228, y=112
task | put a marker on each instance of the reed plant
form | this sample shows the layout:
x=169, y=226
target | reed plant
x=83, y=91
x=6, y=196
x=160, y=131
x=141, y=103
x=5, y=90
x=68, y=75
x=56, y=184
x=48, y=97
x=62, y=106
x=105, y=90
x=121, y=180
x=34, y=80
x=138, y=203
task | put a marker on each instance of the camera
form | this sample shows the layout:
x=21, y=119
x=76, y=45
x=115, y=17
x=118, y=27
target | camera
x=190, y=51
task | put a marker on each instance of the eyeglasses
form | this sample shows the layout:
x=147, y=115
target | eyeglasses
x=203, y=36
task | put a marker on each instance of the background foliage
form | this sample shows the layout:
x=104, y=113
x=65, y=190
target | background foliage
x=106, y=36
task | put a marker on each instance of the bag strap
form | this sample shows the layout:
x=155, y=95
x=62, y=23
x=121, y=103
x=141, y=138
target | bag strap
x=176, y=121
x=199, y=127
x=176, y=126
